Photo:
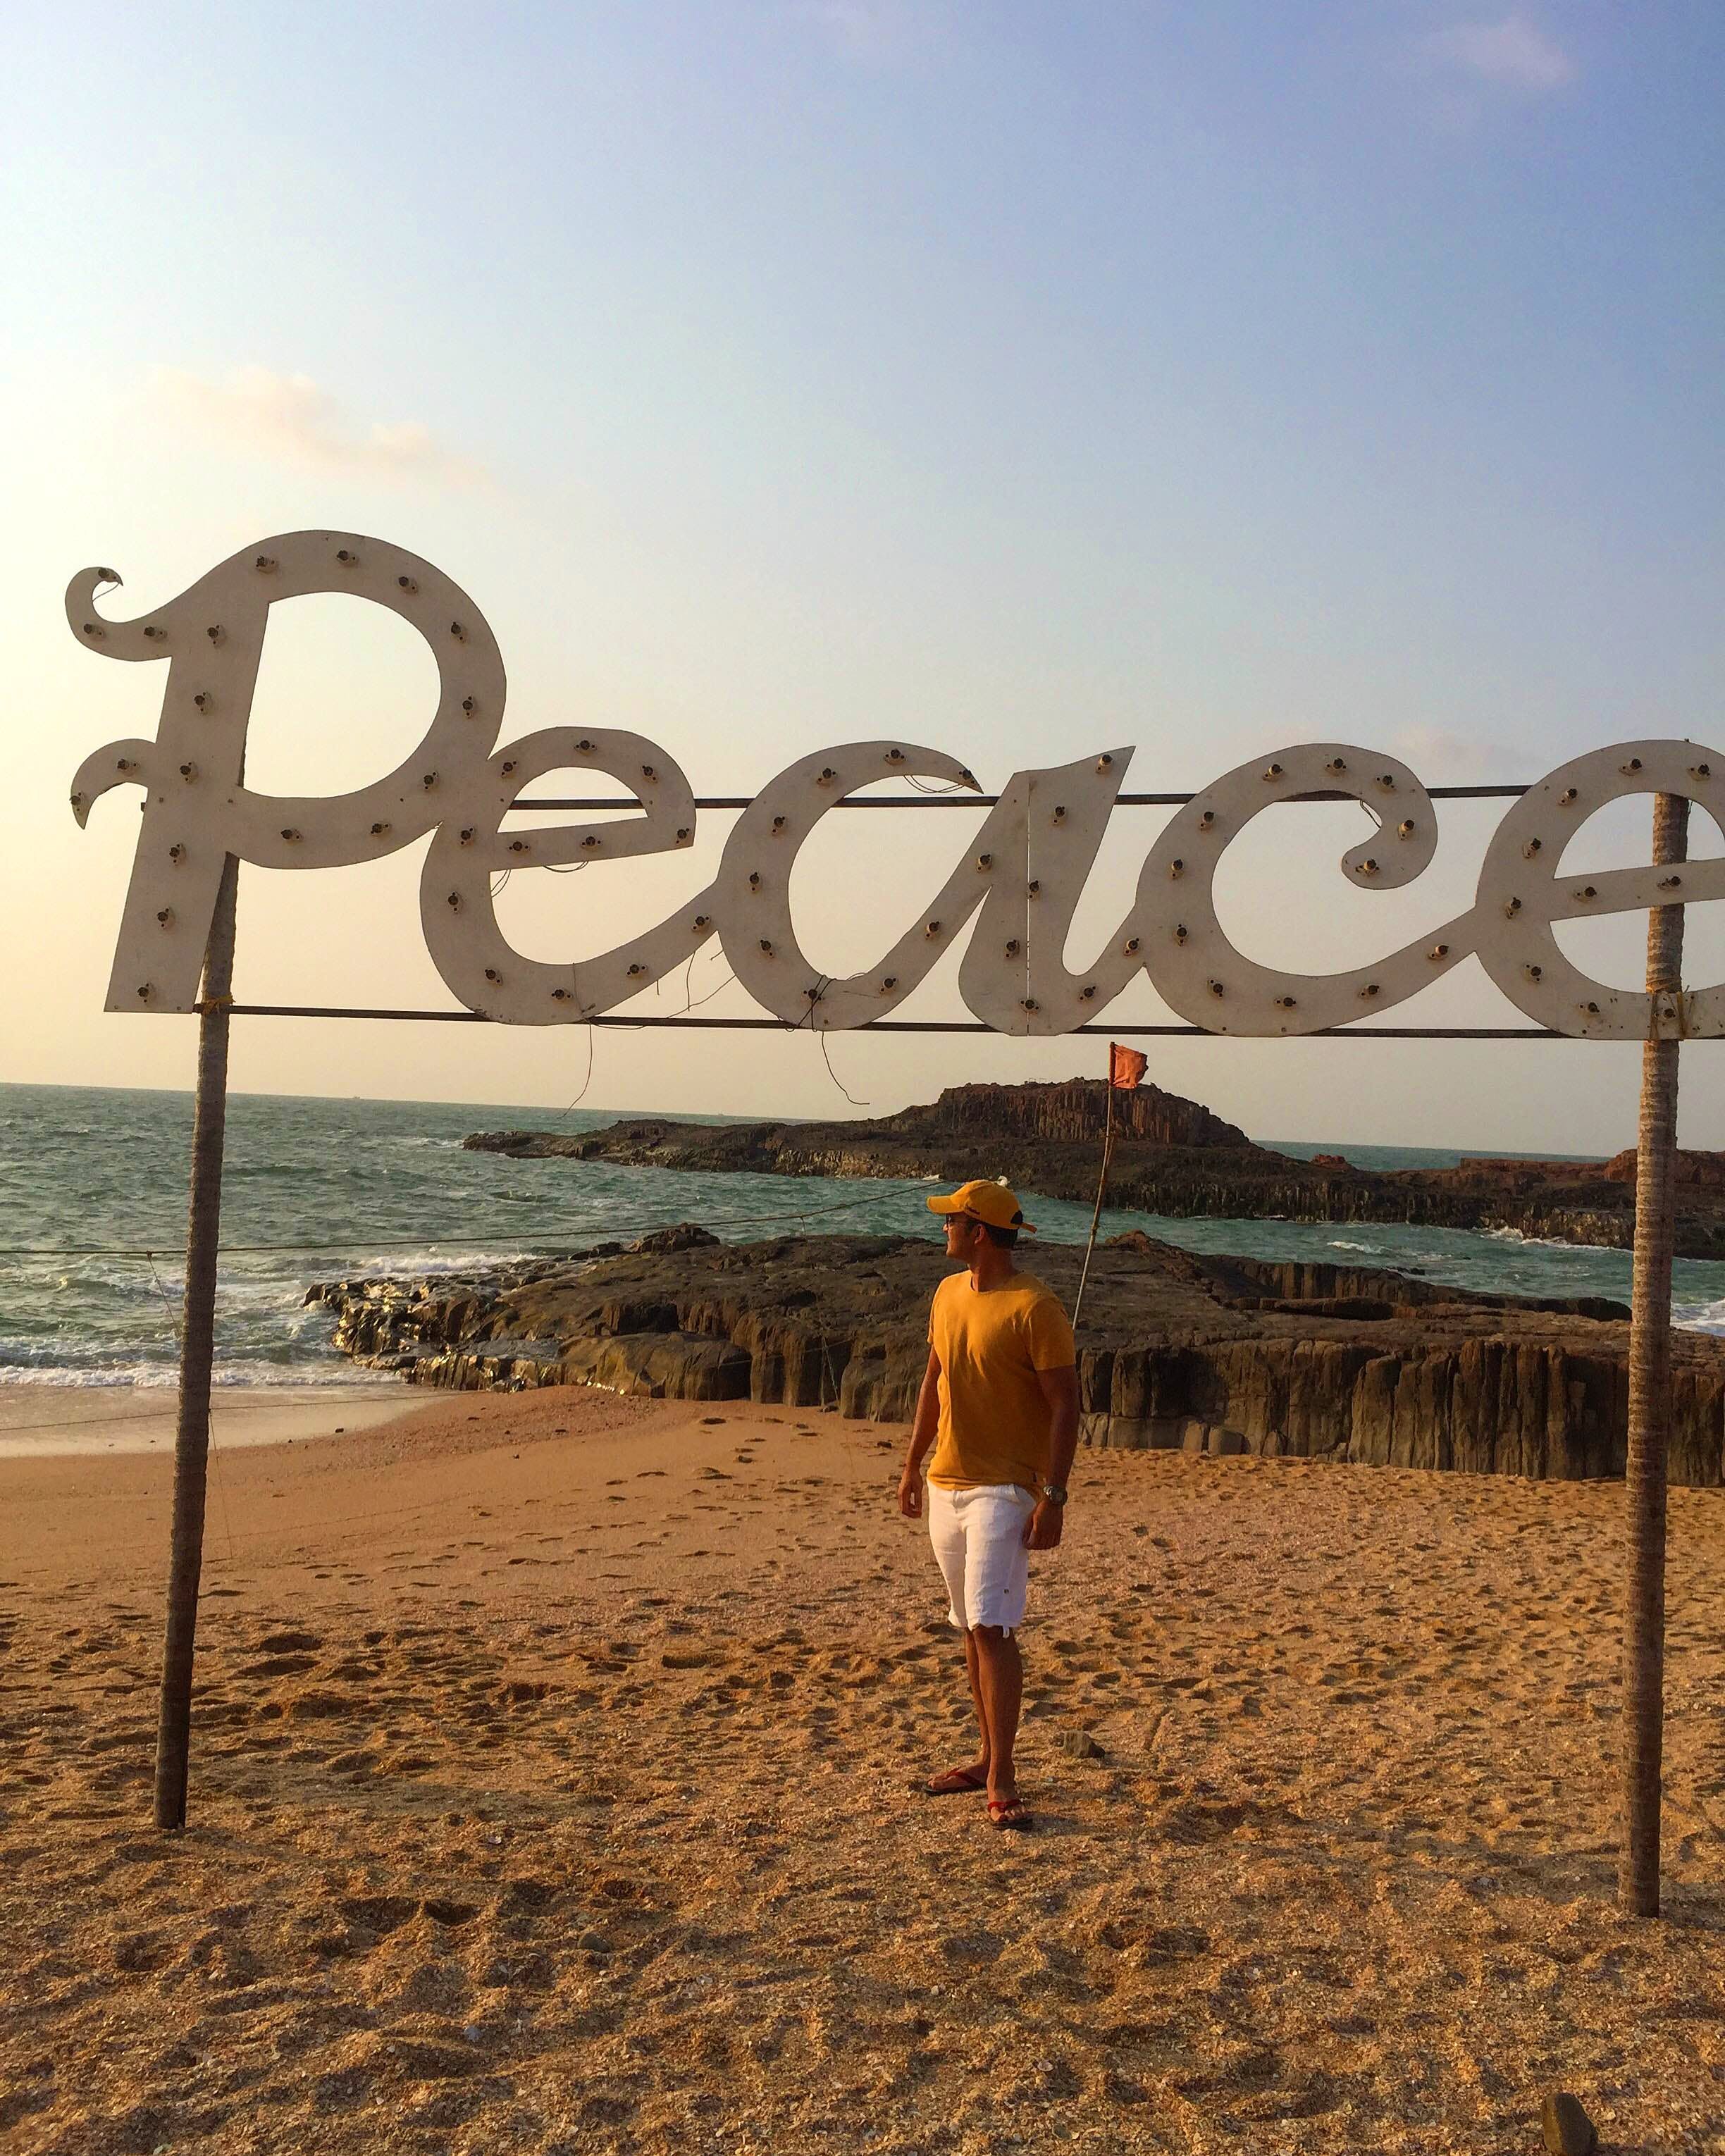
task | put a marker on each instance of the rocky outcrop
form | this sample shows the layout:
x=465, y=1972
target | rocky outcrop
x=1068, y=1112
x=1172, y=1156
x=1203, y=1353
x=1690, y=1171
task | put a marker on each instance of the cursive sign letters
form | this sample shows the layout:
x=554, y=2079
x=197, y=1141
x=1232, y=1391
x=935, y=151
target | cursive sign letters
x=1019, y=881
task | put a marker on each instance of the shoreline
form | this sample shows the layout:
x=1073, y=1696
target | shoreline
x=40, y=1422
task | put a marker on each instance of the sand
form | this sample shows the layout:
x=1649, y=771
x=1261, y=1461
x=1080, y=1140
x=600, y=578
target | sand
x=555, y=1789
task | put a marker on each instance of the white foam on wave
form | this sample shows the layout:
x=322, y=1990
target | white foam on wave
x=431, y=1260
x=1545, y=1242
x=165, y=1377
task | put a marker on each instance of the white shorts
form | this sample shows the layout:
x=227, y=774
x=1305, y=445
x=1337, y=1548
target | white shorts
x=978, y=1538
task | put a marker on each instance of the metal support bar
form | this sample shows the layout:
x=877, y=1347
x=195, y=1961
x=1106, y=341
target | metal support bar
x=918, y=1026
x=966, y=800
x=196, y=1354
x=1649, y=1391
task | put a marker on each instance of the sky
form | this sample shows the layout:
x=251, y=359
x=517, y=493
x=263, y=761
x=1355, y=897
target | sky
x=1019, y=380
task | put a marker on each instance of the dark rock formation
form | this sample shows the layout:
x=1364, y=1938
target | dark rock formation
x=1215, y=1354
x=1173, y=1157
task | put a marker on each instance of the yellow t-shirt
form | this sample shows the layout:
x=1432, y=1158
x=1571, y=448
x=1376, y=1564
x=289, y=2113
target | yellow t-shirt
x=994, y=1422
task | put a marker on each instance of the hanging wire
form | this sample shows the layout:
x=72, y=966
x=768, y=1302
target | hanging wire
x=823, y=982
x=728, y=981
x=822, y=1038
x=500, y=876
x=173, y=1319
x=918, y=786
x=587, y=1080
x=688, y=982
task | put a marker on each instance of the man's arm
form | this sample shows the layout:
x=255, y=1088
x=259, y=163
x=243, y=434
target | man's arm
x=1060, y=1388
x=923, y=1431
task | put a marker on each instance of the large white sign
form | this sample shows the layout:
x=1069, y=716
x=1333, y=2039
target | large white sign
x=1020, y=877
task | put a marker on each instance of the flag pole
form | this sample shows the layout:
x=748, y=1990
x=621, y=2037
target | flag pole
x=1101, y=1186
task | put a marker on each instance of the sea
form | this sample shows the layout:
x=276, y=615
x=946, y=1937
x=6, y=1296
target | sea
x=93, y=1224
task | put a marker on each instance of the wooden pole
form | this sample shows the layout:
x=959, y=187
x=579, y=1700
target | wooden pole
x=1095, y=1217
x=197, y=1353
x=1650, y=1394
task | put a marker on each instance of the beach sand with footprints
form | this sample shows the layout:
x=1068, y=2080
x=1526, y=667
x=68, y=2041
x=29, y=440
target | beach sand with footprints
x=555, y=1789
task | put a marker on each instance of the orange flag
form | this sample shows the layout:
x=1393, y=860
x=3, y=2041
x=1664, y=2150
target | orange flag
x=1126, y=1067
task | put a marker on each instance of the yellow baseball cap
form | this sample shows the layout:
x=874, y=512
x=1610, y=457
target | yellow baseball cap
x=991, y=1202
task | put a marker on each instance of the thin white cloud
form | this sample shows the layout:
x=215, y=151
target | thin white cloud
x=291, y=420
x=1437, y=756
x=877, y=32
x=1511, y=54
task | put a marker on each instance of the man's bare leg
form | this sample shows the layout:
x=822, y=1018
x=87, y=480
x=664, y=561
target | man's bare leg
x=974, y=1774
x=973, y=1669
x=1000, y=1674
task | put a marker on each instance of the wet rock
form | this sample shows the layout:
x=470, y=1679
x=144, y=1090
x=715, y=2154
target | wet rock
x=664, y=1366
x=1079, y=1744
x=684, y=1236
x=1213, y=1355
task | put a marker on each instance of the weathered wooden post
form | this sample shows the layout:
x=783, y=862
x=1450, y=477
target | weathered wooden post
x=197, y=1353
x=1649, y=1388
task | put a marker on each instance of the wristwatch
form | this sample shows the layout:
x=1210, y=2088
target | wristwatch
x=1053, y=1493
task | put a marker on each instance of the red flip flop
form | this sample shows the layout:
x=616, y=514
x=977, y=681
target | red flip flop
x=956, y=1782
x=1010, y=1815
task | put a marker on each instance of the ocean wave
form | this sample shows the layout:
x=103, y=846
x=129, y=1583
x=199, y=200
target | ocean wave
x=108, y=1169
x=430, y=1262
x=1547, y=1242
x=165, y=1377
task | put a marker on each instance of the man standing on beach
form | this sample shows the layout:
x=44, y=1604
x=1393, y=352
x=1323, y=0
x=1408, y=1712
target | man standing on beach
x=999, y=1407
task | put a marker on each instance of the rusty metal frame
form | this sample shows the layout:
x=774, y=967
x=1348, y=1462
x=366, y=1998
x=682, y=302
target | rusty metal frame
x=1022, y=877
